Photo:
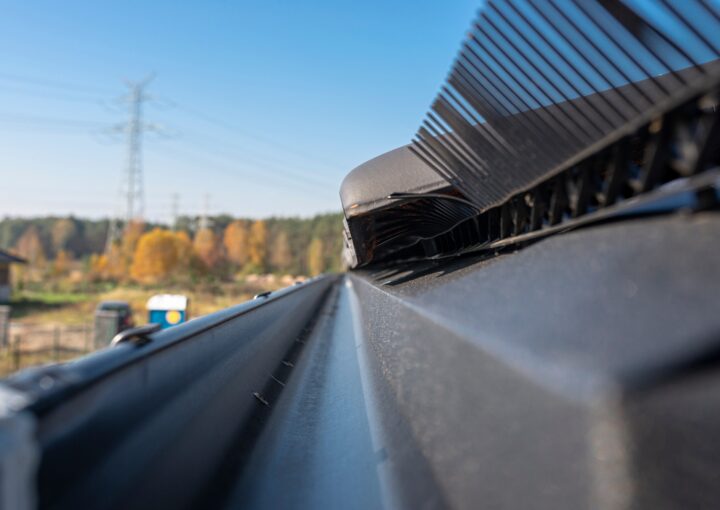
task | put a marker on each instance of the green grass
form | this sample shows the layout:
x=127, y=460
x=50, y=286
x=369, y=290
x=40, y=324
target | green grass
x=33, y=304
x=62, y=308
x=74, y=308
x=50, y=298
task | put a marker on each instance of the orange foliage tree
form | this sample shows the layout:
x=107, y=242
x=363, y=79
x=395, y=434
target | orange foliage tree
x=184, y=247
x=156, y=256
x=61, y=265
x=258, y=244
x=130, y=238
x=117, y=260
x=207, y=247
x=97, y=267
x=235, y=240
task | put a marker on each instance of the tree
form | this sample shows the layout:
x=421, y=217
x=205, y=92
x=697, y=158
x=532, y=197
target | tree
x=120, y=255
x=258, y=244
x=97, y=267
x=156, y=256
x=207, y=248
x=235, y=240
x=315, y=258
x=80, y=238
x=115, y=266
x=184, y=248
x=61, y=265
x=280, y=255
x=66, y=236
x=131, y=236
x=30, y=247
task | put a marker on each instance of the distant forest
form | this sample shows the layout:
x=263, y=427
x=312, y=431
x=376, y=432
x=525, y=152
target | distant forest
x=281, y=245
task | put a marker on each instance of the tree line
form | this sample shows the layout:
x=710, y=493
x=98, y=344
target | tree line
x=153, y=253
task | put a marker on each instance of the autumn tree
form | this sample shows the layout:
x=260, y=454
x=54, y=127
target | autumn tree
x=156, y=256
x=130, y=238
x=280, y=255
x=207, y=248
x=115, y=264
x=120, y=255
x=258, y=244
x=236, y=242
x=315, y=258
x=184, y=247
x=61, y=264
x=30, y=247
x=97, y=267
x=92, y=234
x=66, y=236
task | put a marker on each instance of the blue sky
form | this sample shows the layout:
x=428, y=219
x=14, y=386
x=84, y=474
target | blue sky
x=250, y=95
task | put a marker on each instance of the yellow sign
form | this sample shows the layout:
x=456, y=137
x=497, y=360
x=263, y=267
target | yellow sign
x=173, y=317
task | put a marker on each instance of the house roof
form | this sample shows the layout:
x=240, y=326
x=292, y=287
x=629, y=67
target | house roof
x=6, y=258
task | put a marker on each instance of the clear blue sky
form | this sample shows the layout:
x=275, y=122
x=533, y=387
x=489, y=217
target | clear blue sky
x=251, y=93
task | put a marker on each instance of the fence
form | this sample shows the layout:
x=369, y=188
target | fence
x=34, y=344
x=4, y=325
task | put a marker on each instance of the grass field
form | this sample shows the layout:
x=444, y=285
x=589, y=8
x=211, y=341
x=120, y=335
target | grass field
x=46, y=307
x=50, y=326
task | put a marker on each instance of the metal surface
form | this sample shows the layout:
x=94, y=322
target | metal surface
x=576, y=373
x=551, y=112
x=106, y=324
x=525, y=379
x=137, y=335
x=316, y=451
x=366, y=187
x=674, y=153
x=151, y=426
x=536, y=84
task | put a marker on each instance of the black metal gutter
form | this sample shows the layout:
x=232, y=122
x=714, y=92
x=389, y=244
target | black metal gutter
x=153, y=421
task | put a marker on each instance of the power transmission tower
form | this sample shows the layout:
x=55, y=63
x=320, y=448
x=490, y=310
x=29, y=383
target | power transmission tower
x=175, y=211
x=204, y=221
x=132, y=187
x=135, y=197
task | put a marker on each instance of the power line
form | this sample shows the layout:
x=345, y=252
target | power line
x=52, y=94
x=132, y=190
x=33, y=119
x=61, y=123
x=210, y=164
x=50, y=83
x=192, y=111
x=278, y=168
x=268, y=162
x=32, y=128
x=211, y=119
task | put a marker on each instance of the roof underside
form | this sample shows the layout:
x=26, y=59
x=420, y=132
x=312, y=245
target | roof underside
x=7, y=258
